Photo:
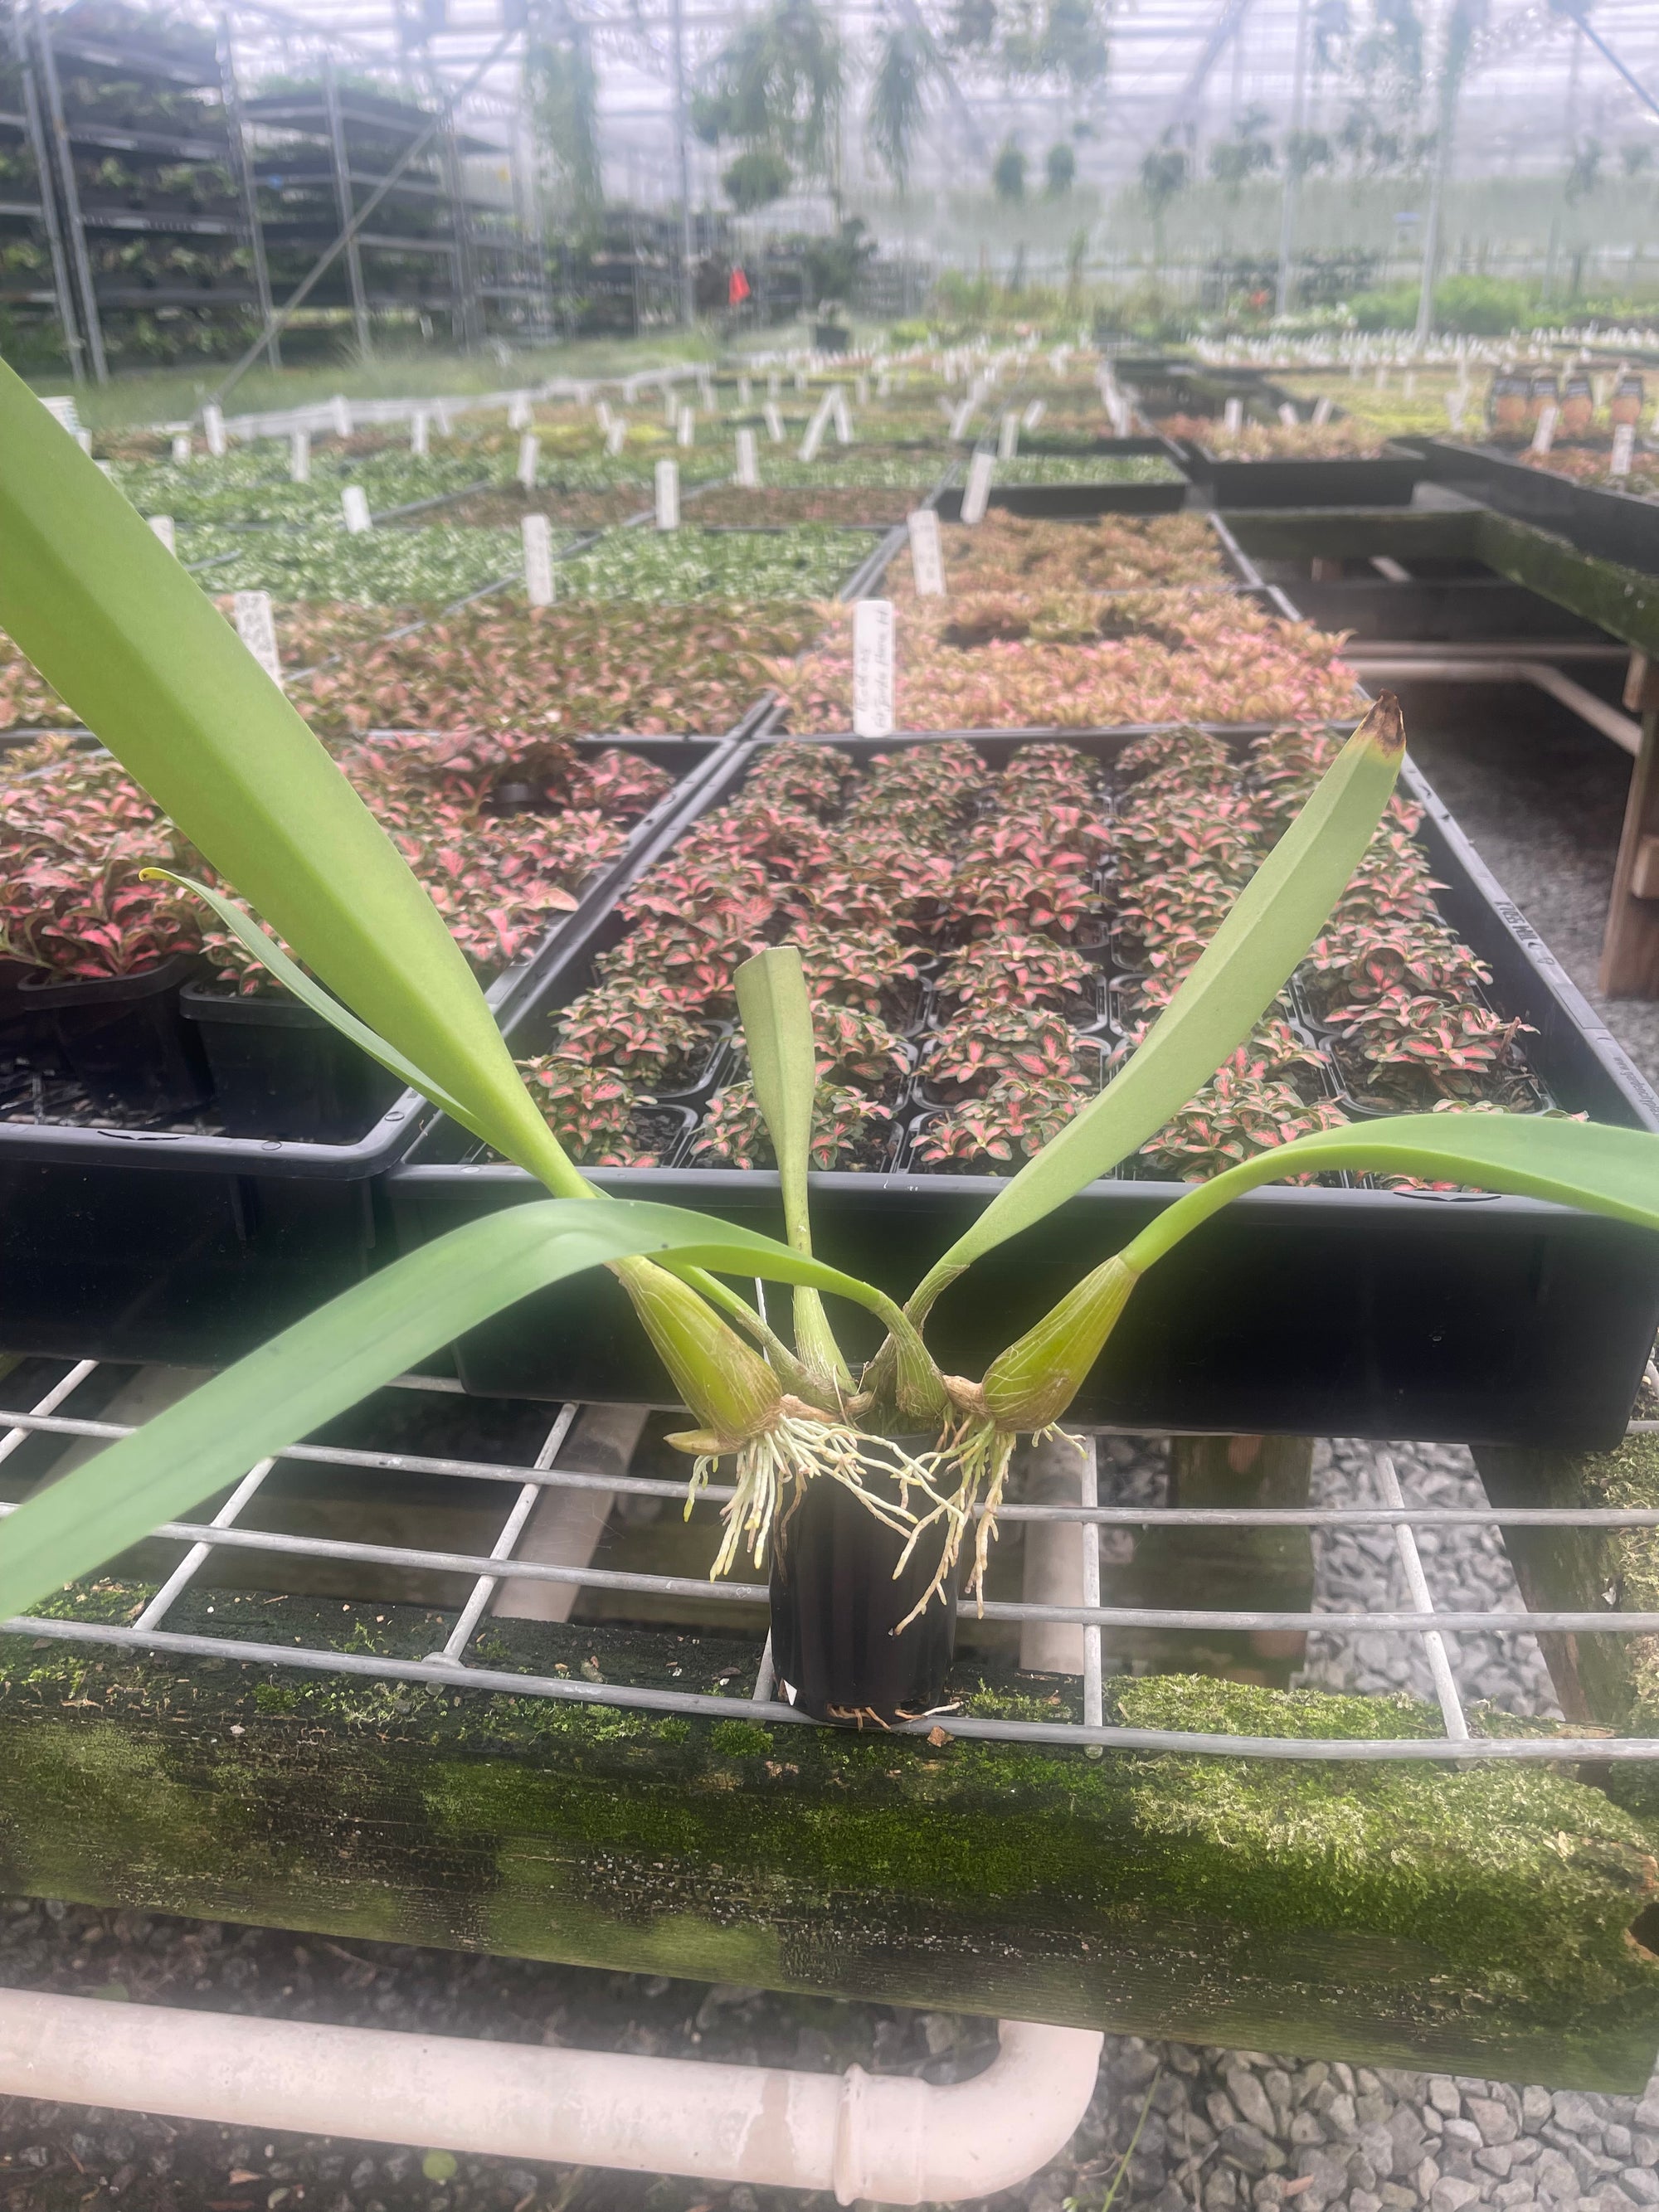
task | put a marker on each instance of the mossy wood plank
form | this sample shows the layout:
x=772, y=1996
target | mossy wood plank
x=1474, y=1921
x=1356, y=533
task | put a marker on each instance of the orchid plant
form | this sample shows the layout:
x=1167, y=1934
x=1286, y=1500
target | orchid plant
x=124, y=635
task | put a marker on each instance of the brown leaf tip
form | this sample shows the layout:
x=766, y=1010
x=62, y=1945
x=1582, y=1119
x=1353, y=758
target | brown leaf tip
x=1385, y=725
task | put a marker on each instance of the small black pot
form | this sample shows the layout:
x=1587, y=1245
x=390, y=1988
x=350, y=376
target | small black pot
x=281, y=1071
x=123, y=1038
x=832, y=337
x=28, y=1036
x=836, y=1606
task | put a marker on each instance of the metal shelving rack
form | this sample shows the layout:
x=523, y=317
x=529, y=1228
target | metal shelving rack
x=27, y=208
x=90, y=216
x=318, y=154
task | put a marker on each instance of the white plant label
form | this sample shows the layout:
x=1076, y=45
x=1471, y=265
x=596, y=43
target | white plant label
x=1544, y=436
x=746, y=393
x=668, y=495
x=1287, y=415
x=1034, y=414
x=519, y=416
x=1008, y=437
x=161, y=525
x=340, y=407
x=961, y=419
x=65, y=411
x=926, y=554
x=1322, y=414
x=748, y=467
x=299, y=457
x=420, y=434
x=1623, y=447
x=213, y=423
x=354, y=505
x=1232, y=415
x=872, y=668
x=257, y=628
x=842, y=418
x=614, y=437
x=530, y=459
x=773, y=421
x=539, y=583
x=814, y=430
x=974, y=500
x=685, y=429
x=181, y=449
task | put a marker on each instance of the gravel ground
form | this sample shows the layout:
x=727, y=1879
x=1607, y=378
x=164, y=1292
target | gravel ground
x=1222, y=2130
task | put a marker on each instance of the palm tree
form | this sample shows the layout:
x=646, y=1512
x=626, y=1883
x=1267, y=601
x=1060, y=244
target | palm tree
x=1165, y=174
x=905, y=59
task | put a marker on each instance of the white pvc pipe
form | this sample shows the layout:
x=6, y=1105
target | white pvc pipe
x=1454, y=668
x=886, y=2138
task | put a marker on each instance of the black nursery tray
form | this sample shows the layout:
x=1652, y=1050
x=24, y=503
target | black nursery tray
x=1075, y=502
x=1390, y=480
x=140, y=1243
x=1614, y=525
x=1316, y=1311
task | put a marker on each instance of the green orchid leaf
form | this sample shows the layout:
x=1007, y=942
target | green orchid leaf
x=350, y=1347
x=1603, y=1170
x=777, y=1029
x=1273, y=921
x=129, y=638
x=270, y=956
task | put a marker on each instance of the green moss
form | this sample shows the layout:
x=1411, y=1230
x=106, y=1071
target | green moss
x=740, y=1739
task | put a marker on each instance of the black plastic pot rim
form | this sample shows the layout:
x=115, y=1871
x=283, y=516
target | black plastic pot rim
x=51, y=989
x=209, y=1002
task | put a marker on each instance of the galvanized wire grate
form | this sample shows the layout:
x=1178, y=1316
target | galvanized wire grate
x=520, y=1487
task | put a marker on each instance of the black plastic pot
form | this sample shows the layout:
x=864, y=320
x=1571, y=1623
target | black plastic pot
x=124, y=1038
x=837, y=1650
x=281, y=1071
x=831, y=337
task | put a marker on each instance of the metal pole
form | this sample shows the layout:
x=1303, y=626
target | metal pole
x=36, y=132
x=232, y=95
x=1288, y=204
x=468, y=319
x=682, y=154
x=297, y=298
x=1452, y=65
x=345, y=198
x=60, y=138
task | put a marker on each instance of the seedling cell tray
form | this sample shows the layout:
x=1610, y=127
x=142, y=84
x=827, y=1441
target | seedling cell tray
x=1389, y=481
x=1318, y=1311
x=154, y=1244
x=1072, y=502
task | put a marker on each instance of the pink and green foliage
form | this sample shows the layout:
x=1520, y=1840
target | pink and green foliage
x=809, y=777
x=1002, y=1130
x=988, y=897
x=849, y=1130
x=1013, y=1043
x=589, y=1110
x=1020, y=970
x=1417, y=1044
x=1040, y=830
x=868, y=969
x=1187, y=759
x=645, y=1033
x=1361, y=961
x=855, y=1046
x=1241, y=1112
x=1050, y=776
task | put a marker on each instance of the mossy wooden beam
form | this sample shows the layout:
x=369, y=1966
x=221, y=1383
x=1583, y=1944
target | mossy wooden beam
x=1473, y=1921
x=1357, y=533
x=1616, y=598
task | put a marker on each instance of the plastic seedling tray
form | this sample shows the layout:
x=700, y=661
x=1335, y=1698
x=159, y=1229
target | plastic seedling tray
x=1072, y=502
x=1614, y=525
x=1389, y=481
x=151, y=1245
x=1316, y=1311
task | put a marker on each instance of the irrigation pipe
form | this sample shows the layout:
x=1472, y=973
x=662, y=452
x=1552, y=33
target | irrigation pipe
x=887, y=2137
x=1456, y=668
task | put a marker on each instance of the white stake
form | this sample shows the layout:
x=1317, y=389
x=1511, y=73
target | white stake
x=213, y=424
x=539, y=583
x=668, y=495
x=978, y=493
x=354, y=505
x=181, y=448
x=872, y=668
x=299, y=457
x=927, y=556
x=256, y=626
x=748, y=468
x=773, y=421
x=614, y=438
x=530, y=459
x=1008, y=436
x=162, y=526
x=341, y=410
x=1232, y=415
x=420, y=434
x=685, y=430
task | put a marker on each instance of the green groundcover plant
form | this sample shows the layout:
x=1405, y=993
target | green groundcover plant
x=114, y=623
